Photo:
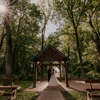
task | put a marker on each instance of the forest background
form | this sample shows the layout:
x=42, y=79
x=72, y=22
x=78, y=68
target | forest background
x=23, y=35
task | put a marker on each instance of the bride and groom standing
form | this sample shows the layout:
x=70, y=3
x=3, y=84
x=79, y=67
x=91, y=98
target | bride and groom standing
x=52, y=80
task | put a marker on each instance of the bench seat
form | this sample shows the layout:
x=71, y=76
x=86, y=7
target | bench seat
x=8, y=90
x=93, y=89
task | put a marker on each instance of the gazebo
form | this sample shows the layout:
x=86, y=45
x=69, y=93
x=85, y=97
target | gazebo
x=48, y=57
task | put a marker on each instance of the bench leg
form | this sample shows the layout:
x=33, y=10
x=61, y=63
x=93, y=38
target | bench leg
x=89, y=96
x=13, y=95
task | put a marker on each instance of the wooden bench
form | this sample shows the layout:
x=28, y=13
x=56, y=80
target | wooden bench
x=90, y=91
x=8, y=88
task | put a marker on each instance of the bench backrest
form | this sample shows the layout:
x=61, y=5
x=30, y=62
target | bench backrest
x=92, y=81
x=8, y=80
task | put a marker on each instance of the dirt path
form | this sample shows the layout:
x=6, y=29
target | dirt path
x=52, y=93
x=74, y=85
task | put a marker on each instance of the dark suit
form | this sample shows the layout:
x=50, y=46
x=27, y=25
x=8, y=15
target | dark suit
x=49, y=74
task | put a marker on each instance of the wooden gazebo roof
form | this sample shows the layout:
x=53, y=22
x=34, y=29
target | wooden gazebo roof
x=50, y=54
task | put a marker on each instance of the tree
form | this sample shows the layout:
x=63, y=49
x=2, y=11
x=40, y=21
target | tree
x=8, y=40
x=72, y=12
x=46, y=12
x=26, y=40
x=93, y=15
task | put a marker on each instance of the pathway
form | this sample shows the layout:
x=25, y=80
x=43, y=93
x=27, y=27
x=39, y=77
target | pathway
x=52, y=93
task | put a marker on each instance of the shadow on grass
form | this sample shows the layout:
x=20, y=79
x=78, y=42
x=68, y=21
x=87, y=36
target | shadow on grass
x=34, y=97
x=73, y=88
x=27, y=95
x=74, y=95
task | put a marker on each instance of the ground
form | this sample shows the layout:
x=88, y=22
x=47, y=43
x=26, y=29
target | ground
x=53, y=93
x=78, y=85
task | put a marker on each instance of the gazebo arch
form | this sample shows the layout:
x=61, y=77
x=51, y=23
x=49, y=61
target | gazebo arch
x=50, y=55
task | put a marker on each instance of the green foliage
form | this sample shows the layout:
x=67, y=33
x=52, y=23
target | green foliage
x=93, y=75
x=25, y=25
x=53, y=39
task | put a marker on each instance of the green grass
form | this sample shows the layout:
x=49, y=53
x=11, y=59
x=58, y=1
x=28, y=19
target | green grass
x=24, y=95
x=24, y=84
x=27, y=95
x=75, y=95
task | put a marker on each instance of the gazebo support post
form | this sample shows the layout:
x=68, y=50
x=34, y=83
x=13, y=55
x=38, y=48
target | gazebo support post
x=66, y=74
x=41, y=77
x=35, y=74
x=60, y=73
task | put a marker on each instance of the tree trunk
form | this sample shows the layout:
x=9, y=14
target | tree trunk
x=8, y=66
x=8, y=49
x=79, y=52
x=2, y=39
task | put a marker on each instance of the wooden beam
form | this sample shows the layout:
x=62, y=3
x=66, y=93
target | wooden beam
x=45, y=55
x=41, y=73
x=61, y=63
x=54, y=55
x=60, y=72
x=50, y=64
x=39, y=64
x=66, y=74
x=35, y=74
x=50, y=58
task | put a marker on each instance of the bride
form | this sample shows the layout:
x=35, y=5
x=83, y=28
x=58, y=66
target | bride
x=53, y=80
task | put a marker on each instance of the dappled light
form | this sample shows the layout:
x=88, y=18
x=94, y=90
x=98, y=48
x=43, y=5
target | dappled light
x=2, y=8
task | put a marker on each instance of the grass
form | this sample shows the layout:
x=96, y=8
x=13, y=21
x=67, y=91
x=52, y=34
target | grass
x=27, y=95
x=75, y=95
x=24, y=95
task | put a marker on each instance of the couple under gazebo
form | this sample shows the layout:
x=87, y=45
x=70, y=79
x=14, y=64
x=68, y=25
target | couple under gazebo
x=52, y=80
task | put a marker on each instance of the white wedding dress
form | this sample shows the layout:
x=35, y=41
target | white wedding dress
x=53, y=81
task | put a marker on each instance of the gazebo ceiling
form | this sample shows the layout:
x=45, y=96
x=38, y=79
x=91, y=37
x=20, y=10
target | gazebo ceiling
x=50, y=54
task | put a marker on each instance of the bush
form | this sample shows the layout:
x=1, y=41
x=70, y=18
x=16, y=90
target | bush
x=22, y=77
x=92, y=75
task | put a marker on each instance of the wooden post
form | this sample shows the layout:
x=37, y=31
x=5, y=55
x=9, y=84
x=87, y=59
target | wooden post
x=60, y=72
x=35, y=74
x=41, y=73
x=66, y=74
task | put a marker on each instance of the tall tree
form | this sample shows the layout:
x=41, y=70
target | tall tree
x=93, y=15
x=46, y=11
x=8, y=40
x=72, y=11
x=25, y=34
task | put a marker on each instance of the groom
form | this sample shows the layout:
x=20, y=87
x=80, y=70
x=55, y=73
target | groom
x=49, y=74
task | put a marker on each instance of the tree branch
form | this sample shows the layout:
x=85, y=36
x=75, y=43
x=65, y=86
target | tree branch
x=12, y=2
